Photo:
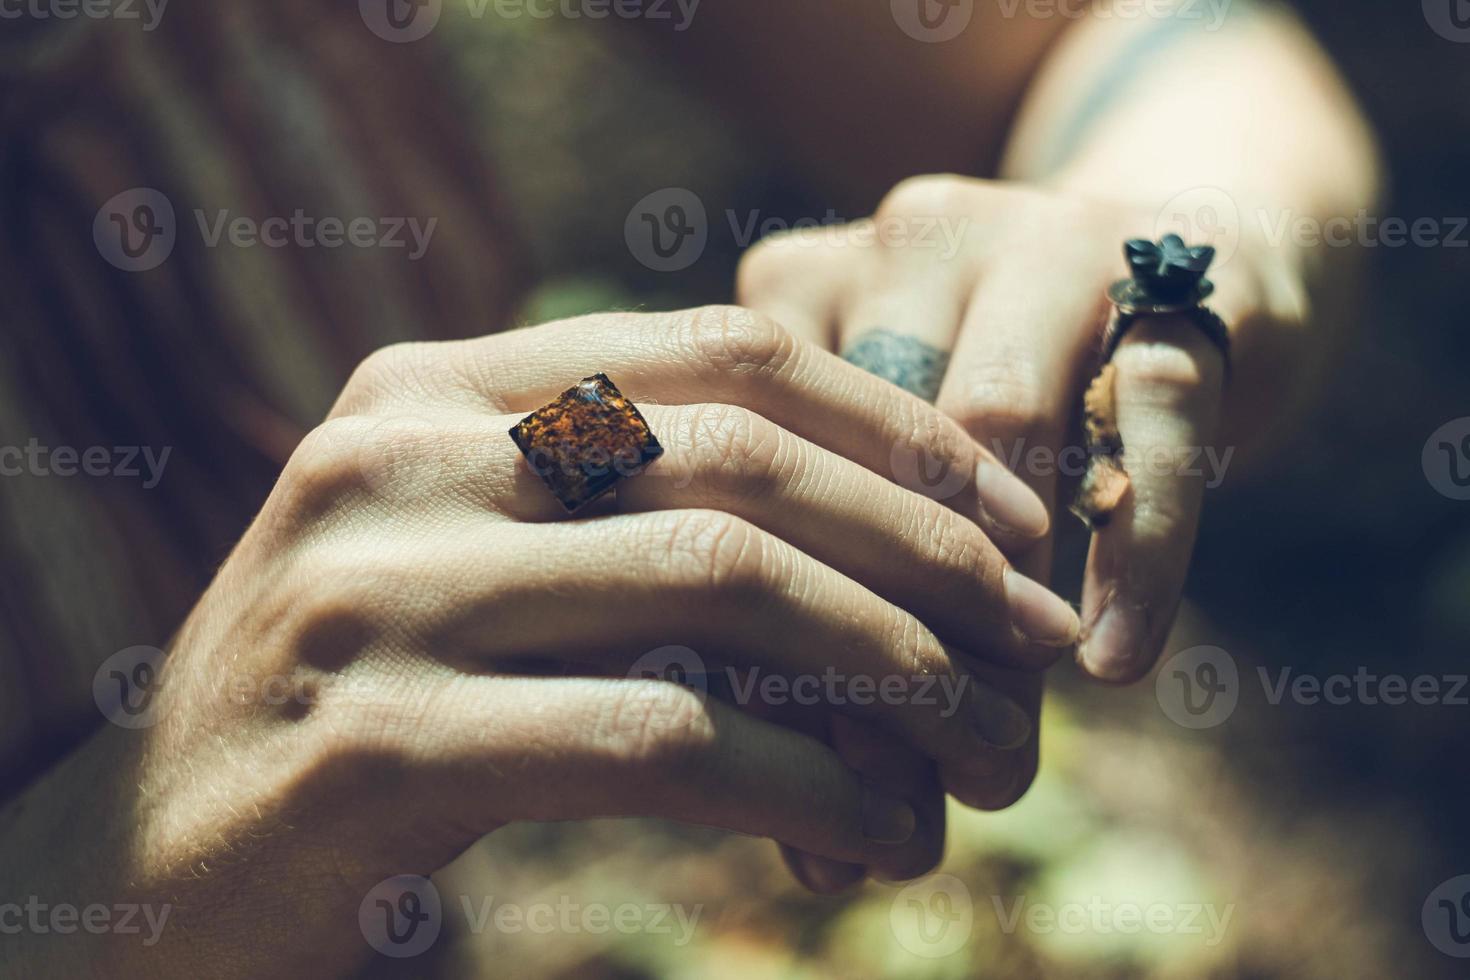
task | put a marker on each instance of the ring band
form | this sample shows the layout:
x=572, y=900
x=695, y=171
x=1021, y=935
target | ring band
x=1206, y=319
x=586, y=441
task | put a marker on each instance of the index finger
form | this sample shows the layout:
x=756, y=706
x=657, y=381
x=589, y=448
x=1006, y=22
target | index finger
x=1169, y=383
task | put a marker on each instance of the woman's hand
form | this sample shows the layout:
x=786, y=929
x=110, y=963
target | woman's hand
x=1009, y=283
x=455, y=654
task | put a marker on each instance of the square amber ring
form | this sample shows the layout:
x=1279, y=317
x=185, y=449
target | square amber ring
x=586, y=441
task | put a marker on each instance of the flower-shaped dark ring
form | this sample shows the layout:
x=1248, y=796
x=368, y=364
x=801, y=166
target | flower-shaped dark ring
x=1168, y=279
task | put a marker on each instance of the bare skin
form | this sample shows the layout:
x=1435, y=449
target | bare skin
x=1218, y=133
x=409, y=564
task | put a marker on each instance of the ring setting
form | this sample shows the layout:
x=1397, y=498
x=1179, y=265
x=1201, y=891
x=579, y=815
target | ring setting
x=586, y=441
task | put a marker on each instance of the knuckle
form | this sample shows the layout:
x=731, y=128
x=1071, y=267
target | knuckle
x=327, y=463
x=916, y=652
x=374, y=737
x=955, y=544
x=332, y=596
x=762, y=270
x=930, y=194
x=936, y=434
x=657, y=726
x=718, y=554
x=387, y=372
x=999, y=401
x=349, y=454
x=735, y=444
x=734, y=340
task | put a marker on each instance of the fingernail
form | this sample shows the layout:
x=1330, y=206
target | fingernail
x=1115, y=643
x=887, y=819
x=1008, y=502
x=1038, y=613
x=1000, y=721
x=824, y=875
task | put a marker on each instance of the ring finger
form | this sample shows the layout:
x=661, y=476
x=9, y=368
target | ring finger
x=901, y=324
